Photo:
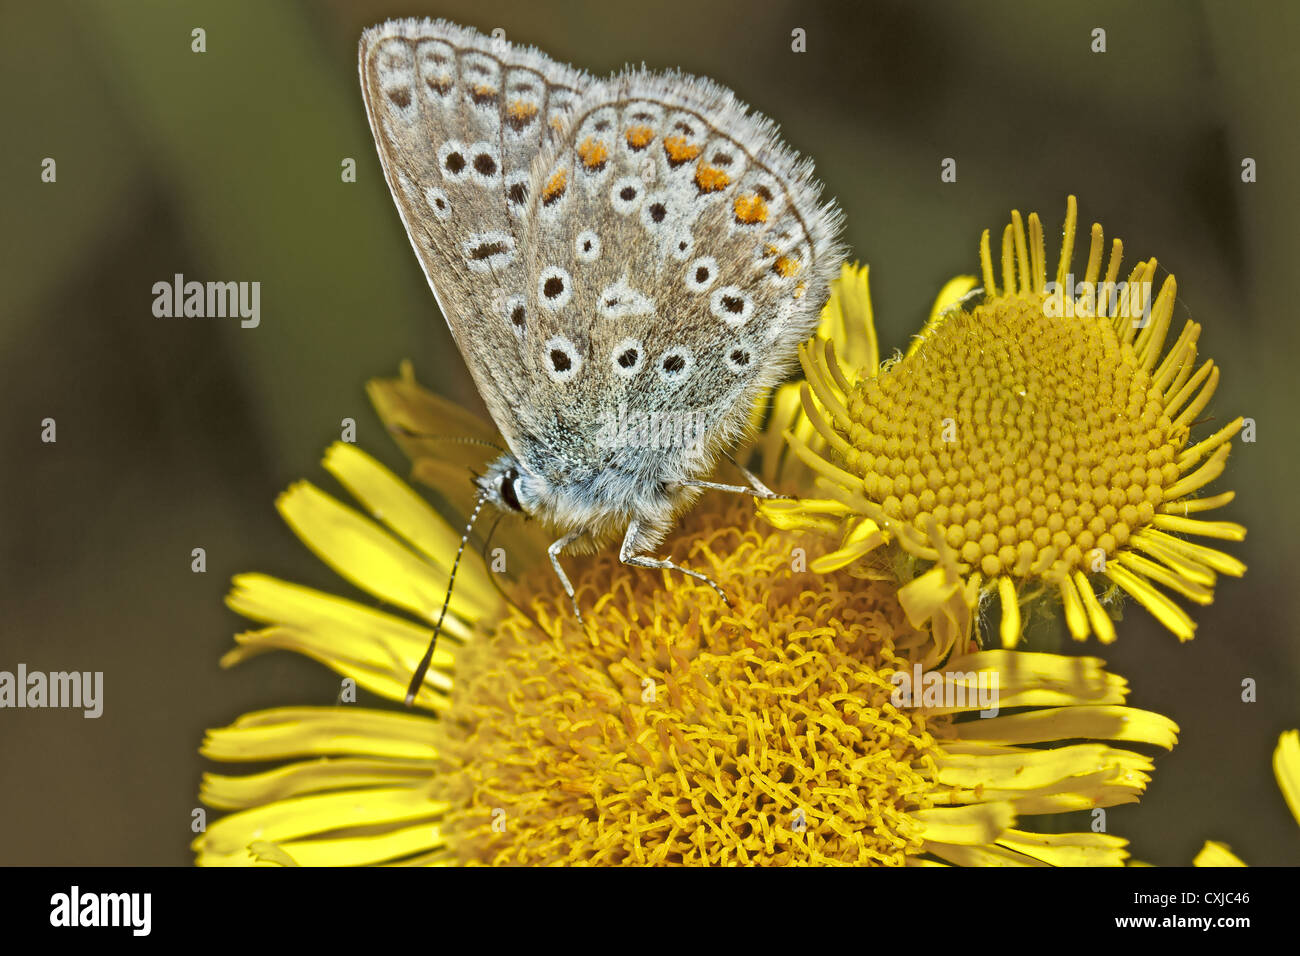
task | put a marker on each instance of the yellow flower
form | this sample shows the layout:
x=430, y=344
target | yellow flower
x=1286, y=767
x=1035, y=438
x=672, y=729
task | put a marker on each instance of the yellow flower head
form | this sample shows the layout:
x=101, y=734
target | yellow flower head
x=798, y=726
x=1036, y=438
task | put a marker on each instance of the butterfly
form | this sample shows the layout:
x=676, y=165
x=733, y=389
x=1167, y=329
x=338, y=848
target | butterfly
x=626, y=264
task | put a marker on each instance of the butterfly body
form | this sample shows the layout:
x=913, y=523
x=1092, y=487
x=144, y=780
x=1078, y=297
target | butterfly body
x=627, y=265
x=602, y=504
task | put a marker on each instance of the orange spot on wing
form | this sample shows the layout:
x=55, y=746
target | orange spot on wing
x=593, y=154
x=709, y=179
x=555, y=188
x=519, y=110
x=679, y=151
x=483, y=93
x=519, y=114
x=785, y=266
x=750, y=209
x=639, y=137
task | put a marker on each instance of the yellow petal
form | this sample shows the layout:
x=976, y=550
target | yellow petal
x=864, y=537
x=1010, y=628
x=1164, y=610
x=1100, y=621
x=1106, y=788
x=285, y=732
x=249, y=790
x=1223, y=530
x=369, y=557
x=1060, y=679
x=396, y=504
x=226, y=841
x=981, y=855
x=847, y=320
x=1216, y=854
x=975, y=824
x=925, y=595
x=1106, y=722
x=367, y=850
x=376, y=649
x=1068, y=849
x=1036, y=768
x=1075, y=617
x=1286, y=767
x=265, y=852
x=416, y=413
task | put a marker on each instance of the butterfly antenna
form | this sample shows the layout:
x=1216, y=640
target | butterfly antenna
x=496, y=578
x=423, y=668
x=458, y=439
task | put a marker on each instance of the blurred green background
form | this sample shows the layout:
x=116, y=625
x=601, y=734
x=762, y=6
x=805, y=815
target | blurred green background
x=175, y=433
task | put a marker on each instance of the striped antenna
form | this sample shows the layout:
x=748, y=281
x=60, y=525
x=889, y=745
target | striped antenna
x=456, y=439
x=414, y=687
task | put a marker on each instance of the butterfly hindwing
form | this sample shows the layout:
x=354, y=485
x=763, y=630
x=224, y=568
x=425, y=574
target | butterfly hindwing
x=458, y=119
x=676, y=253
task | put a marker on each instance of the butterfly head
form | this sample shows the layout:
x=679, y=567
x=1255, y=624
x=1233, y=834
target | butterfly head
x=510, y=487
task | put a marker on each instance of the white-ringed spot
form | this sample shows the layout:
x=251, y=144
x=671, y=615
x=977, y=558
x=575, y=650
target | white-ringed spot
x=438, y=202
x=627, y=358
x=626, y=195
x=701, y=274
x=587, y=246
x=675, y=365
x=561, y=360
x=731, y=305
x=554, y=288
x=452, y=160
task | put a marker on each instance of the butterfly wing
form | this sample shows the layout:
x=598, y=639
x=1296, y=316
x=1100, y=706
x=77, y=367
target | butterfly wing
x=676, y=255
x=458, y=119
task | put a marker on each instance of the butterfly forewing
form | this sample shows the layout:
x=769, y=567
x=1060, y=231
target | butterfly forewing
x=675, y=254
x=458, y=119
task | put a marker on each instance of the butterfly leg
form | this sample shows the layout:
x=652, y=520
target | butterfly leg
x=554, y=551
x=628, y=556
x=761, y=490
x=736, y=489
x=756, y=487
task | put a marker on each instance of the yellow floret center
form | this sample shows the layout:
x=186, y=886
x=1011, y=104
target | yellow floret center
x=672, y=729
x=1035, y=443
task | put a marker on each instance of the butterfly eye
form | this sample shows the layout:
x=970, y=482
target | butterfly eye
x=508, y=493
